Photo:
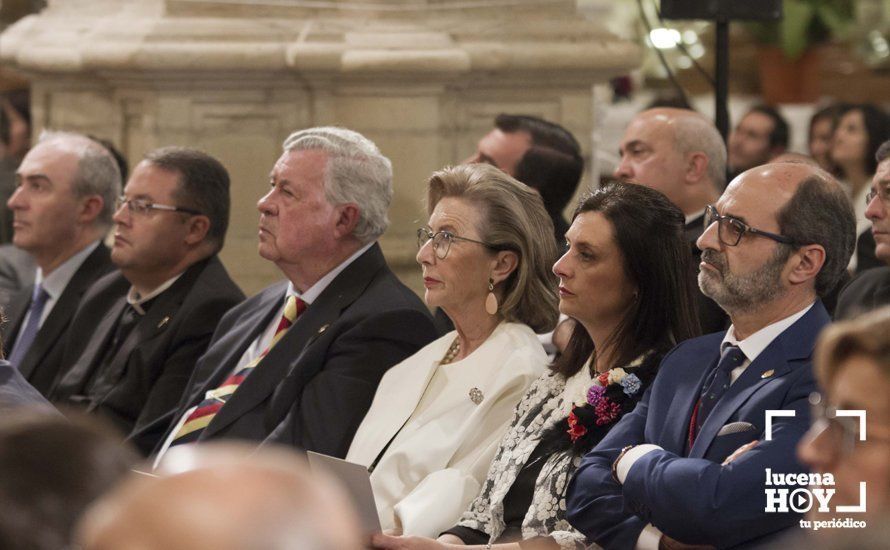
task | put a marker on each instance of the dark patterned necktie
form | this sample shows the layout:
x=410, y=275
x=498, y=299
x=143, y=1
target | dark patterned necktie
x=721, y=377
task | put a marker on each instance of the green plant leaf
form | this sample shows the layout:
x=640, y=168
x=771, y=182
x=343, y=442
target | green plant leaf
x=794, y=27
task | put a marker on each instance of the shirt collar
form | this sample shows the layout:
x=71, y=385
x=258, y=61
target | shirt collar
x=315, y=290
x=54, y=284
x=694, y=216
x=136, y=300
x=753, y=345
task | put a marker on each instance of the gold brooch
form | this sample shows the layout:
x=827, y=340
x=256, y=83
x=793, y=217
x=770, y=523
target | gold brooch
x=768, y=373
x=476, y=395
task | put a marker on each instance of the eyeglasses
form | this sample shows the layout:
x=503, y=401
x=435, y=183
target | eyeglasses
x=142, y=206
x=442, y=241
x=841, y=431
x=731, y=230
x=881, y=191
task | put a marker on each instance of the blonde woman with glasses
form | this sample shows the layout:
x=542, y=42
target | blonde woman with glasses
x=438, y=416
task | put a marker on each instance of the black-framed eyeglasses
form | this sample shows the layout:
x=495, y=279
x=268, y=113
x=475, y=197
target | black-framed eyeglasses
x=142, y=206
x=442, y=241
x=731, y=230
x=881, y=191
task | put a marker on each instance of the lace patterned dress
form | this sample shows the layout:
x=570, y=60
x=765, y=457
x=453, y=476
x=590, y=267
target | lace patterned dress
x=539, y=417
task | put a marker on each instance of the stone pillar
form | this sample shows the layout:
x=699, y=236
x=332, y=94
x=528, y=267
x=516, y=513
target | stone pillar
x=422, y=78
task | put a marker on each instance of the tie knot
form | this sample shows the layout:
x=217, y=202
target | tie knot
x=293, y=308
x=40, y=294
x=732, y=357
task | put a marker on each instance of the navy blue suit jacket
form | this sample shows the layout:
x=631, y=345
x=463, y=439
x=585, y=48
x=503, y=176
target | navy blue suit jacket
x=16, y=392
x=687, y=493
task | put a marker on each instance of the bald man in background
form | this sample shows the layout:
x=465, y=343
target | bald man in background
x=680, y=153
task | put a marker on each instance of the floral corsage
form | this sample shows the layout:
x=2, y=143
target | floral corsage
x=613, y=394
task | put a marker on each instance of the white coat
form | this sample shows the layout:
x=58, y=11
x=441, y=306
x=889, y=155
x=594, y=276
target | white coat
x=436, y=464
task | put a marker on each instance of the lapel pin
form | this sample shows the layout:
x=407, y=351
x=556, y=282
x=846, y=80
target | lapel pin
x=768, y=373
x=163, y=322
x=476, y=395
x=323, y=328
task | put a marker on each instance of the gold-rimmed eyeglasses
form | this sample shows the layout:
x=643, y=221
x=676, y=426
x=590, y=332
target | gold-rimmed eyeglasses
x=442, y=241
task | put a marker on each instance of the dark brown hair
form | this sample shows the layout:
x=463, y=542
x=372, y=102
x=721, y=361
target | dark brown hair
x=649, y=231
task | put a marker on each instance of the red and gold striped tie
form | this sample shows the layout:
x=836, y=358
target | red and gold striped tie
x=215, y=399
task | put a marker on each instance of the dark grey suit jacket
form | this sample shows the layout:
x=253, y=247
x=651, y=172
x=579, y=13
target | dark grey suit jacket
x=869, y=290
x=139, y=388
x=316, y=384
x=42, y=362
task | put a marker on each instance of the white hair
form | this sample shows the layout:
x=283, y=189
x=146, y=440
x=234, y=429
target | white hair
x=97, y=171
x=356, y=172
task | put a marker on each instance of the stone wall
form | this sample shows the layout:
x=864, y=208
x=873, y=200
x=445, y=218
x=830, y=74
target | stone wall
x=422, y=78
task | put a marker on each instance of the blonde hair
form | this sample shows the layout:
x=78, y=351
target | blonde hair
x=514, y=218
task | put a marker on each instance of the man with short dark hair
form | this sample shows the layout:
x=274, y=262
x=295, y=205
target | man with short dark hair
x=138, y=333
x=688, y=464
x=871, y=288
x=760, y=136
x=681, y=154
x=299, y=362
x=541, y=154
x=62, y=207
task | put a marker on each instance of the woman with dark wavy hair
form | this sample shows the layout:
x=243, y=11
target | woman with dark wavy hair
x=625, y=279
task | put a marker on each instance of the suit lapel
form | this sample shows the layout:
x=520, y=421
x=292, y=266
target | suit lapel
x=57, y=320
x=686, y=397
x=290, y=350
x=795, y=343
x=74, y=381
x=391, y=414
x=772, y=358
x=154, y=323
x=213, y=369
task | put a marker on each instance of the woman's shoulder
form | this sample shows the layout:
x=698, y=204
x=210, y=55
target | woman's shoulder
x=518, y=335
x=433, y=351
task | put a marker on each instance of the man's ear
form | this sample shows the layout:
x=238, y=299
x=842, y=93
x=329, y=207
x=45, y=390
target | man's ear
x=696, y=166
x=806, y=263
x=90, y=209
x=506, y=261
x=347, y=218
x=197, y=230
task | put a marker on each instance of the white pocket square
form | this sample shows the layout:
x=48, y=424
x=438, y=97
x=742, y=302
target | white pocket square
x=736, y=427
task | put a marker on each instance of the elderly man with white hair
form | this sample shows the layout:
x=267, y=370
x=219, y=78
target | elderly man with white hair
x=299, y=362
